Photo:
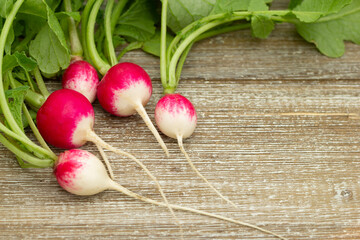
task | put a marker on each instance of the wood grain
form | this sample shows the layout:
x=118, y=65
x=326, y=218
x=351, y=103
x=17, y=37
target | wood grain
x=296, y=175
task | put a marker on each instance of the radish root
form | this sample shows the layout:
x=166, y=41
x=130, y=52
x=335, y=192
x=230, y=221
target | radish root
x=93, y=137
x=106, y=160
x=117, y=187
x=180, y=142
x=142, y=112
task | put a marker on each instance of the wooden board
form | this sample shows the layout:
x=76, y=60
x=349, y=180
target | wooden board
x=296, y=175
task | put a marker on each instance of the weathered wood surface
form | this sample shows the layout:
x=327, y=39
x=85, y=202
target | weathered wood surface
x=295, y=175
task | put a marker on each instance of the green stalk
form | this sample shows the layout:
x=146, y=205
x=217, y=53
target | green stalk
x=99, y=63
x=129, y=47
x=117, y=12
x=35, y=99
x=3, y=101
x=171, y=86
x=44, y=163
x=40, y=82
x=172, y=82
x=219, y=16
x=163, y=57
x=37, y=133
x=189, y=27
x=108, y=32
x=84, y=20
x=27, y=142
x=181, y=62
x=204, y=36
x=75, y=44
x=29, y=80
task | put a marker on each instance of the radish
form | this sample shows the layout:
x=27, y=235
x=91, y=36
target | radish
x=82, y=173
x=176, y=118
x=124, y=90
x=66, y=120
x=81, y=77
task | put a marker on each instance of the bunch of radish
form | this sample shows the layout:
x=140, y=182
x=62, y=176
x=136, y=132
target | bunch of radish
x=66, y=118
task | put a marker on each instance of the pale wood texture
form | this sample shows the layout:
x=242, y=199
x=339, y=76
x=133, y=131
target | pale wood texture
x=295, y=175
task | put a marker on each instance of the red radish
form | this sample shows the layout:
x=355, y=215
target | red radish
x=176, y=118
x=81, y=77
x=124, y=90
x=66, y=120
x=82, y=173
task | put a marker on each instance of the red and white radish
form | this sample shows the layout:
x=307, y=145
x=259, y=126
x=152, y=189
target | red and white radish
x=124, y=90
x=82, y=173
x=66, y=120
x=176, y=118
x=81, y=77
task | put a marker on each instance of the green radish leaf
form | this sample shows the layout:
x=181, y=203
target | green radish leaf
x=152, y=45
x=53, y=4
x=49, y=52
x=56, y=27
x=257, y=5
x=28, y=64
x=261, y=26
x=75, y=15
x=138, y=22
x=131, y=46
x=312, y=10
x=330, y=32
x=34, y=8
x=77, y=5
x=294, y=3
x=6, y=6
x=118, y=41
x=16, y=98
x=18, y=59
x=223, y=6
x=34, y=16
x=183, y=12
x=9, y=62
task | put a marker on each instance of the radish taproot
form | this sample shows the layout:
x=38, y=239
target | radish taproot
x=82, y=173
x=66, y=120
x=176, y=117
x=81, y=77
x=124, y=90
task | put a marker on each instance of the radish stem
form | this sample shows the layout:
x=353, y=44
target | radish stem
x=43, y=163
x=117, y=12
x=100, y=64
x=3, y=101
x=84, y=21
x=108, y=32
x=40, y=82
x=36, y=132
x=75, y=44
x=163, y=59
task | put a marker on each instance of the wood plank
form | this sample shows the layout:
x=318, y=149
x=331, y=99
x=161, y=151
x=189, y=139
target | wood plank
x=296, y=175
